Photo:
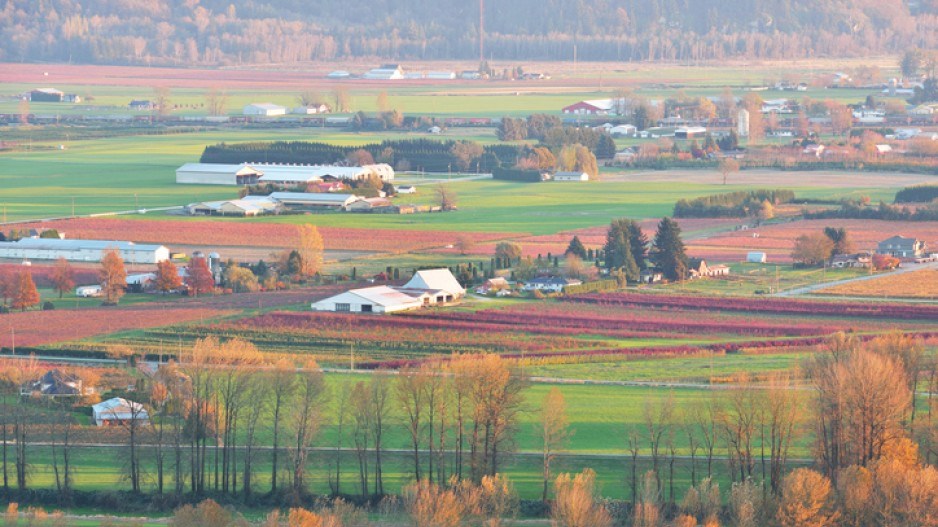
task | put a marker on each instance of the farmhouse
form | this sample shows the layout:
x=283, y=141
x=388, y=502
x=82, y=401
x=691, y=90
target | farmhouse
x=622, y=129
x=54, y=383
x=650, y=276
x=700, y=269
x=901, y=247
x=141, y=105
x=571, y=176
x=119, y=411
x=217, y=174
x=861, y=259
x=264, y=109
x=496, y=284
x=81, y=250
x=427, y=287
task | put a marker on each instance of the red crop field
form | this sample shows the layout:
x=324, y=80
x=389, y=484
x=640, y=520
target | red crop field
x=274, y=235
x=42, y=273
x=38, y=328
x=777, y=240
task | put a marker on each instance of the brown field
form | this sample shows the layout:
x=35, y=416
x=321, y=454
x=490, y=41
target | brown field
x=914, y=284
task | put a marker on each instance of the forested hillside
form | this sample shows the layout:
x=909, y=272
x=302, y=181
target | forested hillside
x=260, y=31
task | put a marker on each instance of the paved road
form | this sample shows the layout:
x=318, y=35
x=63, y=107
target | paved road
x=906, y=268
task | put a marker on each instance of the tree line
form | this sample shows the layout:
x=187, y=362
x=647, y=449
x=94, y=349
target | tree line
x=220, y=32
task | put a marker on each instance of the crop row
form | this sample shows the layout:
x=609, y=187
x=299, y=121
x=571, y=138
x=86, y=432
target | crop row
x=761, y=305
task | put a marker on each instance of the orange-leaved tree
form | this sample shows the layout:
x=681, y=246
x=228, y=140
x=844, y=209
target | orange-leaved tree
x=167, y=277
x=63, y=277
x=113, y=276
x=25, y=294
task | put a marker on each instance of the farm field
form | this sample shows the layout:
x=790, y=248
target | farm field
x=915, y=284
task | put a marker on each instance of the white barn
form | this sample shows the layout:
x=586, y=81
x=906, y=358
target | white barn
x=217, y=174
x=82, y=250
x=119, y=411
x=441, y=283
x=265, y=109
x=314, y=200
x=378, y=299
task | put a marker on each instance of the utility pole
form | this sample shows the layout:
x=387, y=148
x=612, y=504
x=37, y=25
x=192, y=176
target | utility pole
x=13, y=339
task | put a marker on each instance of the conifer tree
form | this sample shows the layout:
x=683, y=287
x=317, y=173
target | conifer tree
x=668, y=252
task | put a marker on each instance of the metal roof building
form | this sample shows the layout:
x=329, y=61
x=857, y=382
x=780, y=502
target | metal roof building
x=217, y=174
x=82, y=250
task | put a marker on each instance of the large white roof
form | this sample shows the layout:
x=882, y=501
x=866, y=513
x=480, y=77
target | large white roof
x=55, y=244
x=119, y=408
x=267, y=106
x=219, y=168
x=328, y=197
x=435, y=279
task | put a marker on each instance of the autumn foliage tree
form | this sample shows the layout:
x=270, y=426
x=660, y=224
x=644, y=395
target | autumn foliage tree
x=113, y=277
x=554, y=431
x=576, y=504
x=25, y=294
x=310, y=249
x=167, y=277
x=806, y=500
x=63, y=277
x=199, y=277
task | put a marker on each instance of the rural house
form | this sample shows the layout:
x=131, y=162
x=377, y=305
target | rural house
x=119, y=411
x=861, y=259
x=571, y=176
x=54, y=383
x=901, y=247
x=700, y=269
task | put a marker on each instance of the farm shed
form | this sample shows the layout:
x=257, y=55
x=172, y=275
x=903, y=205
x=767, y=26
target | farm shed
x=378, y=299
x=313, y=200
x=247, y=206
x=119, y=411
x=82, y=250
x=755, y=257
x=690, y=132
x=385, y=72
x=305, y=174
x=265, y=109
x=571, y=176
x=217, y=174
x=553, y=284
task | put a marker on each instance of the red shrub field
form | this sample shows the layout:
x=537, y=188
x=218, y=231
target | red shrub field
x=256, y=234
x=38, y=328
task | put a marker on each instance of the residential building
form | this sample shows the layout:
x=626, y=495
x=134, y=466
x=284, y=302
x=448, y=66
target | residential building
x=902, y=247
x=493, y=285
x=54, y=384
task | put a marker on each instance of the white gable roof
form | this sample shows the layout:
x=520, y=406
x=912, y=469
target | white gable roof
x=435, y=279
x=119, y=408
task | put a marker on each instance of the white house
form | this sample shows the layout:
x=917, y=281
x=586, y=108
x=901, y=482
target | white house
x=312, y=109
x=571, y=176
x=690, y=132
x=217, y=174
x=377, y=299
x=265, y=109
x=119, y=411
x=81, y=250
x=406, y=189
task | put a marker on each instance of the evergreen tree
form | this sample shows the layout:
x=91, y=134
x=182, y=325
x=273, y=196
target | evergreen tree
x=576, y=247
x=668, y=252
x=618, y=251
x=606, y=147
x=638, y=243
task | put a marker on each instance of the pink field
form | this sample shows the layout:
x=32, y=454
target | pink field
x=273, y=235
